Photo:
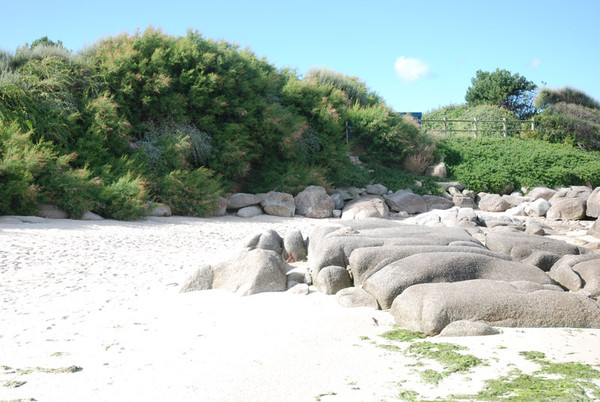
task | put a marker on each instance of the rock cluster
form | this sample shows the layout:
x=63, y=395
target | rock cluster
x=432, y=279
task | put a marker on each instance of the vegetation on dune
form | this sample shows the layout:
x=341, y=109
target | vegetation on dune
x=183, y=120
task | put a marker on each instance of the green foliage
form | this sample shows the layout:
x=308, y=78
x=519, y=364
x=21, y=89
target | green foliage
x=288, y=178
x=356, y=91
x=190, y=193
x=386, y=136
x=124, y=199
x=491, y=164
x=547, y=97
x=570, y=124
x=503, y=89
x=402, y=335
x=346, y=174
x=395, y=179
x=481, y=113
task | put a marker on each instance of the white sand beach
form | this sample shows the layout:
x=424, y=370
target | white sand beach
x=103, y=296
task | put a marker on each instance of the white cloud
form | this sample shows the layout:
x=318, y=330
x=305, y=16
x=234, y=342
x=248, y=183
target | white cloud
x=409, y=69
x=535, y=62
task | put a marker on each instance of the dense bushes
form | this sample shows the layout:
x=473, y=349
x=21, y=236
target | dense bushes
x=492, y=164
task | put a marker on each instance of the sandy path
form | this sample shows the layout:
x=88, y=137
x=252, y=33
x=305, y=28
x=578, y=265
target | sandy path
x=103, y=296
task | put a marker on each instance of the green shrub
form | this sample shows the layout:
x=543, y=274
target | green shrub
x=123, y=199
x=481, y=112
x=395, y=180
x=570, y=124
x=547, y=97
x=192, y=193
x=288, y=178
x=356, y=91
x=491, y=164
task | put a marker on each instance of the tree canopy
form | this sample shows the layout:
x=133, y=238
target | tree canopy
x=503, y=89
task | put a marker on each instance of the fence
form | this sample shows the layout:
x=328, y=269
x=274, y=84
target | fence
x=507, y=125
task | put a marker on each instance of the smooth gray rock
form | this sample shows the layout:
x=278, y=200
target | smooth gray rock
x=578, y=272
x=51, y=212
x=521, y=245
x=513, y=199
x=593, y=204
x=541, y=192
x=429, y=308
x=366, y=261
x=279, y=204
x=314, y=202
x=567, y=209
x=267, y=240
x=349, y=193
x=249, y=212
x=537, y=208
x=535, y=228
x=338, y=201
x=469, y=328
x=241, y=200
x=355, y=297
x=366, y=207
x=406, y=200
x=301, y=289
x=332, y=279
x=202, y=279
x=252, y=272
x=90, y=216
x=387, y=283
x=376, y=189
x=448, y=184
x=462, y=201
x=544, y=260
x=11, y=220
x=294, y=246
x=493, y=203
x=435, y=202
x=437, y=170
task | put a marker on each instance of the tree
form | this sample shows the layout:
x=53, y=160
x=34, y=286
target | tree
x=46, y=42
x=503, y=89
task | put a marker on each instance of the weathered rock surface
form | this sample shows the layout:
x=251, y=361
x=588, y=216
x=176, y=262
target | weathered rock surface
x=593, y=204
x=429, y=308
x=314, y=202
x=279, y=204
x=435, y=202
x=537, y=208
x=578, y=272
x=544, y=260
x=567, y=209
x=541, y=192
x=267, y=240
x=294, y=246
x=463, y=201
x=241, y=200
x=376, y=189
x=406, y=200
x=249, y=212
x=51, y=212
x=338, y=201
x=469, y=328
x=493, y=203
x=332, y=279
x=366, y=207
x=355, y=297
x=392, y=280
x=90, y=216
x=521, y=245
x=252, y=272
x=595, y=229
x=437, y=170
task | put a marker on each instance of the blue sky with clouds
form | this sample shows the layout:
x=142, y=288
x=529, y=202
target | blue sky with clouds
x=417, y=55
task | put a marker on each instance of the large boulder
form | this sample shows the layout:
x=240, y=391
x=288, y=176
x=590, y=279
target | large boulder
x=593, y=204
x=436, y=202
x=355, y=297
x=429, y=308
x=267, y=240
x=332, y=279
x=406, y=200
x=594, y=230
x=376, y=189
x=279, y=204
x=541, y=193
x=468, y=328
x=366, y=207
x=249, y=212
x=366, y=261
x=241, y=200
x=567, y=209
x=521, y=245
x=463, y=201
x=578, y=272
x=392, y=280
x=314, y=202
x=537, y=208
x=251, y=272
x=493, y=203
x=294, y=246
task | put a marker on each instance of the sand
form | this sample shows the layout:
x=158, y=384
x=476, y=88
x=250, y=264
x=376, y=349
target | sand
x=102, y=298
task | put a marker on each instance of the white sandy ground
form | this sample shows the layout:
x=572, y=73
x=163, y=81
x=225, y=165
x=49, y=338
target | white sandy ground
x=104, y=296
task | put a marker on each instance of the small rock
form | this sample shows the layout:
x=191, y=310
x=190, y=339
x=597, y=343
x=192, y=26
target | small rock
x=299, y=289
x=376, y=189
x=249, y=212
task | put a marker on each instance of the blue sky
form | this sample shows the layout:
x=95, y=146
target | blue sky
x=417, y=55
